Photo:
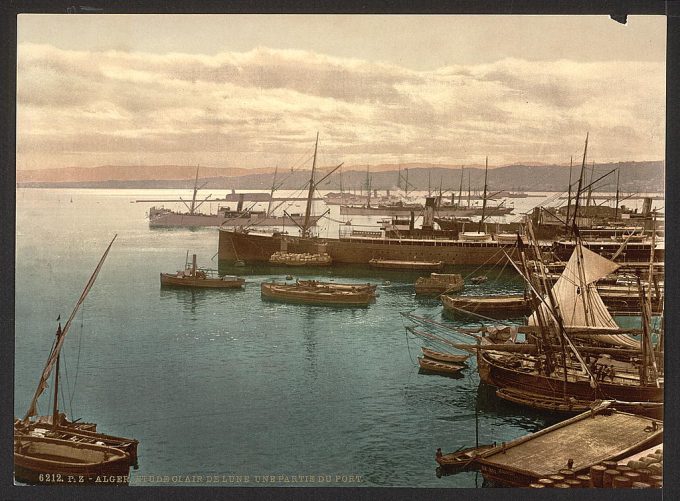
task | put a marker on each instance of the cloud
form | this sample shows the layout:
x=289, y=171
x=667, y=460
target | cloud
x=265, y=105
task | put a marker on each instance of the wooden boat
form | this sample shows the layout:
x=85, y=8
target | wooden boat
x=430, y=365
x=196, y=278
x=52, y=449
x=439, y=283
x=572, y=405
x=336, y=286
x=406, y=265
x=304, y=259
x=600, y=434
x=499, y=307
x=444, y=357
x=40, y=460
x=479, y=279
x=521, y=374
x=461, y=459
x=318, y=294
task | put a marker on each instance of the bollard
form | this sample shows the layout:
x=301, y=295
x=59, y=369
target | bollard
x=597, y=475
x=621, y=482
x=607, y=477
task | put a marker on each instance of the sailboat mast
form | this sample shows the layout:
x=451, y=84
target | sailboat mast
x=580, y=180
x=460, y=188
x=590, y=185
x=55, y=408
x=310, y=194
x=486, y=171
x=61, y=334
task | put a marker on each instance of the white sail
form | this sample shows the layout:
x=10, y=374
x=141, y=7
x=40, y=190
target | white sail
x=579, y=302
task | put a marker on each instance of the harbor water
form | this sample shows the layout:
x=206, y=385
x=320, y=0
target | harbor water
x=220, y=386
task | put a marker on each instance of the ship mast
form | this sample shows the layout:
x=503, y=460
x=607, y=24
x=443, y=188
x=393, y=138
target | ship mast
x=193, y=198
x=616, y=210
x=460, y=188
x=310, y=194
x=469, y=189
x=486, y=171
x=580, y=180
x=53, y=358
x=566, y=222
x=271, y=193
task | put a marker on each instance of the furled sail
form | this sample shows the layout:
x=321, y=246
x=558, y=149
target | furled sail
x=61, y=335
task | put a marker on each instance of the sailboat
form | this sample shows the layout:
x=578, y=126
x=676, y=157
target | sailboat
x=52, y=449
x=552, y=373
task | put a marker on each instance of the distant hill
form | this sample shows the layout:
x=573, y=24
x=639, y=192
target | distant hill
x=634, y=177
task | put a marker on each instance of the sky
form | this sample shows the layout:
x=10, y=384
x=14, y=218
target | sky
x=252, y=91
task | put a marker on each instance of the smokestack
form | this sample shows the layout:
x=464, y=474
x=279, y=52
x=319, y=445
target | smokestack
x=428, y=218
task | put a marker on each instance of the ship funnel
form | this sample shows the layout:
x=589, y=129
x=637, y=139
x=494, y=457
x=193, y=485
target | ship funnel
x=239, y=206
x=428, y=217
x=646, y=206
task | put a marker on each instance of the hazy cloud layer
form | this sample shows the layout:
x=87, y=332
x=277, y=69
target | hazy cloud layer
x=263, y=107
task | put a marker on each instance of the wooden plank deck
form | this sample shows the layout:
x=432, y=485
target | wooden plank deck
x=587, y=442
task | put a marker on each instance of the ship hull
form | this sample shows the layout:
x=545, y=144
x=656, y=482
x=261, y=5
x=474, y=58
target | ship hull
x=552, y=386
x=254, y=248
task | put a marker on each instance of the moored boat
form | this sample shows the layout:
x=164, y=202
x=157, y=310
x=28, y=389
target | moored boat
x=405, y=265
x=40, y=460
x=54, y=450
x=318, y=294
x=430, y=365
x=444, y=357
x=197, y=278
x=439, y=283
x=498, y=307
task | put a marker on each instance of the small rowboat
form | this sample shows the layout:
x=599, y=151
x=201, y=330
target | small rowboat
x=430, y=365
x=444, y=357
x=499, y=307
x=40, y=460
x=462, y=459
x=318, y=294
x=406, y=265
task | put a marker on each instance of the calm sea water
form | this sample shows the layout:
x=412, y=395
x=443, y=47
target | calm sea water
x=222, y=383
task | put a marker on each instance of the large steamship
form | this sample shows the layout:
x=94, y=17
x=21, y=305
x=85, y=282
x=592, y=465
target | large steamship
x=401, y=242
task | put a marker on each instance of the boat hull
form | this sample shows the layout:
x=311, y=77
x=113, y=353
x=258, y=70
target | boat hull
x=502, y=307
x=254, y=248
x=61, y=462
x=168, y=280
x=406, y=265
x=437, y=367
x=362, y=297
x=495, y=374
